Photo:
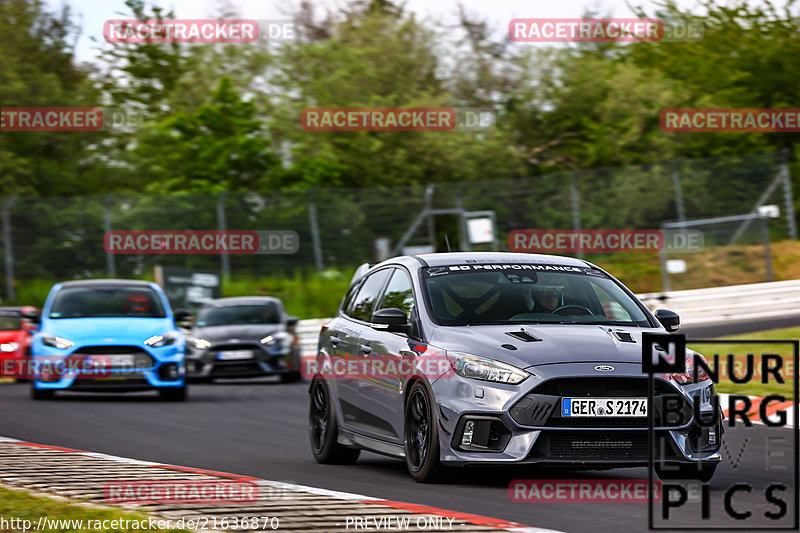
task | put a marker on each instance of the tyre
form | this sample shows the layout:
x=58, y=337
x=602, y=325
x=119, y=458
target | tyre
x=174, y=394
x=42, y=394
x=291, y=377
x=703, y=472
x=323, y=430
x=422, y=436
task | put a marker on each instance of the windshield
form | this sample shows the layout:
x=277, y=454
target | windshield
x=10, y=322
x=476, y=294
x=107, y=301
x=239, y=315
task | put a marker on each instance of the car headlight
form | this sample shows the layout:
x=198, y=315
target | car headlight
x=200, y=344
x=9, y=347
x=279, y=339
x=157, y=341
x=485, y=369
x=688, y=377
x=57, y=342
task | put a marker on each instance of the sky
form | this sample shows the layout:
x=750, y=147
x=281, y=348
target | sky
x=91, y=14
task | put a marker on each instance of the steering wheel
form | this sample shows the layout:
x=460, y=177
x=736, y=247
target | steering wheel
x=559, y=309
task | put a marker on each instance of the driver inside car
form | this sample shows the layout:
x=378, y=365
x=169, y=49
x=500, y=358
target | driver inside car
x=543, y=298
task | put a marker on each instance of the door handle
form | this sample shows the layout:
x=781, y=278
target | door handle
x=334, y=340
x=365, y=349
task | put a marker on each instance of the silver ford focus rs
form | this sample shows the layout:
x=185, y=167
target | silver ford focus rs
x=454, y=359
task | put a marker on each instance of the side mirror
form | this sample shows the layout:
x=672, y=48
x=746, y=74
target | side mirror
x=390, y=319
x=32, y=315
x=669, y=319
x=182, y=316
x=291, y=321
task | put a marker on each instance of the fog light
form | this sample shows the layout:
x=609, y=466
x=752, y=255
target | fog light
x=712, y=435
x=466, y=439
x=168, y=372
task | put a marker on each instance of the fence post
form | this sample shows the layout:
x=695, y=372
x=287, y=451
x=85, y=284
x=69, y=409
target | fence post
x=221, y=224
x=787, y=194
x=767, y=251
x=313, y=224
x=576, y=204
x=676, y=183
x=7, y=246
x=429, y=191
x=111, y=266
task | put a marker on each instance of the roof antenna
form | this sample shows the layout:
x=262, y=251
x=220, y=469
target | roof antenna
x=447, y=241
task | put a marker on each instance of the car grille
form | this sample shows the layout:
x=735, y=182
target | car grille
x=141, y=359
x=540, y=408
x=592, y=445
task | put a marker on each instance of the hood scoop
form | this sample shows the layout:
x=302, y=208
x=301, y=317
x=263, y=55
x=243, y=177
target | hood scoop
x=523, y=335
x=624, y=336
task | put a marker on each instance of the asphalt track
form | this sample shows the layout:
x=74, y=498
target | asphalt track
x=260, y=429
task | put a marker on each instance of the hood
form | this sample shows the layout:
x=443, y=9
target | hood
x=121, y=330
x=11, y=335
x=243, y=332
x=560, y=343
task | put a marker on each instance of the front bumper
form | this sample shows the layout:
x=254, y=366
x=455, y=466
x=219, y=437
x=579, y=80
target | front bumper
x=153, y=368
x=523, y=423
x=264, y=361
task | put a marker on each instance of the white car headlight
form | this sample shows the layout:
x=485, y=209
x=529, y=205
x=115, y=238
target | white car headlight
x=200, y=344
x=485, y=369
x=157, y=341
x=9, y=347
x=279, y=339
x=57, y=342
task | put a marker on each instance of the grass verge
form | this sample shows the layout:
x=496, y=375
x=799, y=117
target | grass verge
x=759, y=384
x=17, y=506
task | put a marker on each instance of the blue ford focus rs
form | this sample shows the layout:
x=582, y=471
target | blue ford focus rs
x=108, y=336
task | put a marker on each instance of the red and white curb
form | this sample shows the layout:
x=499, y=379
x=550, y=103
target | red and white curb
x=754, y=413
x=83, y=474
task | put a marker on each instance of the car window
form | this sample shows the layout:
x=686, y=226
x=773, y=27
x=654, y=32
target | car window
x=515, y=294
x=239, y=315
x=107, y=301
x=8, y=322
x=364, y=302
x=398, y=293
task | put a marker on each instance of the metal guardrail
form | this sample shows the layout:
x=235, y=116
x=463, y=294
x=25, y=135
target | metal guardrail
x=735, y=302
x=695, y=307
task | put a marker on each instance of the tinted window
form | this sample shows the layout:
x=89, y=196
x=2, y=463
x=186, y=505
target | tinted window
x=528, y=294
x=8, y=322
x=364, y=302
x=107, y=301
x=398, y=293
x=238, y=315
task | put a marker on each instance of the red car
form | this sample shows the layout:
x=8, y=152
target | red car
x=15, y=340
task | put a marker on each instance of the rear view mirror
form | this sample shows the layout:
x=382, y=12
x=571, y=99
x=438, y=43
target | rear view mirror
x=669, y=319
x=390, y=319
x=32, y=315
x=182, y=315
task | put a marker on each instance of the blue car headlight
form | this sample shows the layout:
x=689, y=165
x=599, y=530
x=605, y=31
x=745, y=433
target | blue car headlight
x=485, y=369
x=157, y=341
x=56, y=342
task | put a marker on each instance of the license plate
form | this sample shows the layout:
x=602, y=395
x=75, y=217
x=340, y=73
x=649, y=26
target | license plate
x=106, y=362
x=234, y=355
x=604, y=407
